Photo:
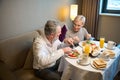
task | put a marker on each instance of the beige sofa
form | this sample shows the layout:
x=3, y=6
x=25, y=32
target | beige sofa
x=16, y=57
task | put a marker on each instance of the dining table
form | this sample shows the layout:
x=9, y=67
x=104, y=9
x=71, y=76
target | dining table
x=74, y=71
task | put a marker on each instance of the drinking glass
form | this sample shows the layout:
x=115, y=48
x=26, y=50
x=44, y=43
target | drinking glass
x=102, y=41
x=87, y=49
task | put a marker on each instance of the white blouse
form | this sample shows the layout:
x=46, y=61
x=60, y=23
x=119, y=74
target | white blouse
x=45, y=54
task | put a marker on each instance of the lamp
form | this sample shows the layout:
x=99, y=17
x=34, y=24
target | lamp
x=62, y=13
x=73, y=11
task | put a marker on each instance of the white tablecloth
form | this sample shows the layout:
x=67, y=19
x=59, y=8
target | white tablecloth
x=72, y=70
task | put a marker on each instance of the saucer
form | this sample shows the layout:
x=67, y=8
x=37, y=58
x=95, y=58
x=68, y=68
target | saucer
x=85, y=63
x=104, y=57
x=109, y=48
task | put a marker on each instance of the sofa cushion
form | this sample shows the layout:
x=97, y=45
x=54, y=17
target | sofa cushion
x=29, y=60
x=63, y=33
x=14, y=51
x=5, y=71
x=26, y=75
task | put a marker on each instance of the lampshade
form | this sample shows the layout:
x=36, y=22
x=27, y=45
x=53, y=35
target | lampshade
x=73, y=11
x=62, y=13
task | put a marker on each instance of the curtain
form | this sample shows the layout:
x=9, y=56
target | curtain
x=90, y=9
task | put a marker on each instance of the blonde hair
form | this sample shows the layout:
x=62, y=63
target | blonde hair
x=80, y=18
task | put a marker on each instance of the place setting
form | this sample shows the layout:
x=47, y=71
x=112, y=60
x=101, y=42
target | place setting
x=83, y=60
x=83, y=43
x=108, y=52
x=75, y=53
x=90, y=44
x=87, y=55
x=107, y=55
x=111, y=45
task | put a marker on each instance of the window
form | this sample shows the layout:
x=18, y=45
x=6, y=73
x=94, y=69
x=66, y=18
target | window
x=111, y=6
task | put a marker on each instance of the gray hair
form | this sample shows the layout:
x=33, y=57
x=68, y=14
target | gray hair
x=50, y=27
x=80, y=18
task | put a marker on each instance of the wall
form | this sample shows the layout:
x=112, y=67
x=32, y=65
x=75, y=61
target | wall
x=109, y=27
x=21, y=16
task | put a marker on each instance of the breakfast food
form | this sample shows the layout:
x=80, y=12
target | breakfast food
x=95, y=53
x=99, y=63
x=73, y=54
x=94, y=50
x=91, y=43
x=110, y=53
x=87, y=42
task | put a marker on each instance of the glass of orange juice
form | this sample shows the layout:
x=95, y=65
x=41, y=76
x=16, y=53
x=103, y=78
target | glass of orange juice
x=102, y=41
x=87, y=49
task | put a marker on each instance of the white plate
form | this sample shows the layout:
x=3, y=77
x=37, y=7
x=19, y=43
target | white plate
x=71, y=57
x=104, y=57
x=79, y=49
x=95, y=67
x=84, y=64
x=80, y=43
x=110, y=49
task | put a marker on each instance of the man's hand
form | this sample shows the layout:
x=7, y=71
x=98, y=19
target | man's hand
x=88, y=36
x=76, y=39
x=69, y=41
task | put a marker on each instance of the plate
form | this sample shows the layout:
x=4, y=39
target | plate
x=72, y=57
x=109, y=54
x=84, y=64
x=95, y=53
x=79, y=49
x=90, y=42
x=95, y=67
x=81, y=43
x=109, y=49
x=73, y=54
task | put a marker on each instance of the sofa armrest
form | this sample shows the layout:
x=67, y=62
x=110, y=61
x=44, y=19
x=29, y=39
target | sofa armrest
x=5, y=72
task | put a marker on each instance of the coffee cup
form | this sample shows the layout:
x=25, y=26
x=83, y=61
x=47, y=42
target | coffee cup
x=111, y=45
x=83, y=58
